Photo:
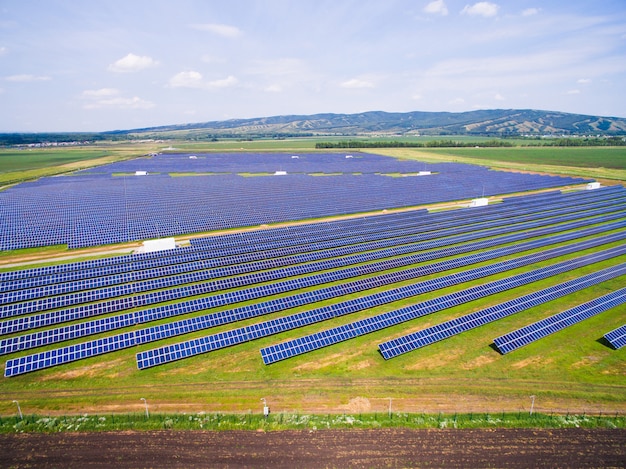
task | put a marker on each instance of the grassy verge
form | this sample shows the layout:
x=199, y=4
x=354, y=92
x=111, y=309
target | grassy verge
x=278, y=422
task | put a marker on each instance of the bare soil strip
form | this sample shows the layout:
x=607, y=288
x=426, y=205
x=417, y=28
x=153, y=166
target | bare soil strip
x=521, y=448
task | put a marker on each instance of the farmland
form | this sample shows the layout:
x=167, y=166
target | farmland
x=572, y=371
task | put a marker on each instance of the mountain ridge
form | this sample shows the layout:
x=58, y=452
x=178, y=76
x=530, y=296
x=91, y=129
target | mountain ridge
x=494, y=122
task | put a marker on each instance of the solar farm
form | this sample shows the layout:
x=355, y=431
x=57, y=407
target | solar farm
x=311, y=266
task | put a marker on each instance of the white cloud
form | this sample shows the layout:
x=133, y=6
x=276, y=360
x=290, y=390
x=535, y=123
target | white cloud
x=531, y=11
x=223, y=30
x=132, y=63
x=189, y=79
x=356, y=83
x=584, y=81
x=3, y=50
x=223, y=83
x=25, y=78
x=274, y=89
x=457, y=101
x=498, y=97
x=110, y=98
x=486, y=9
x=193, y=79
x=436, y=7
x=573, y=92
x=102, y=92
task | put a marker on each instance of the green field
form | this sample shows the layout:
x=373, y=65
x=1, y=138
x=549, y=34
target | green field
x=22, y=160
x=571, y=371
x=583, y=157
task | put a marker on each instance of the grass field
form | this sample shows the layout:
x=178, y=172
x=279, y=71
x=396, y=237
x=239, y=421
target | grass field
x=572, y=371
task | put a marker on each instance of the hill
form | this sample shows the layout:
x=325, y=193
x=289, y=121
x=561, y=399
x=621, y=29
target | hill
x=498, y=122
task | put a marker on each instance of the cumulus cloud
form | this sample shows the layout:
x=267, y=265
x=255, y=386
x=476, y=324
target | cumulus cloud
x=111, y=98
x=436, y=7
x=132, y=63
x=584, y=81
x=486, y=9
x=356, y=83
x=193, y=79
x=223, y=30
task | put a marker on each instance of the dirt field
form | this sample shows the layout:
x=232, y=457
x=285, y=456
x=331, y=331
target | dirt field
x=318, y=449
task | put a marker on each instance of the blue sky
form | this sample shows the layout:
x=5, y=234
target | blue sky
x=73, y=65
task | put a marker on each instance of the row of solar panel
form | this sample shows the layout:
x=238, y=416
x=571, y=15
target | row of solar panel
x=252, y=162
x=23, y=324
x=516, y=339
x=252, y=238
x=137, y=286
x=321, y=339
x=164, y=282
x=410, y=342
x=617, y=337
x=359, y=304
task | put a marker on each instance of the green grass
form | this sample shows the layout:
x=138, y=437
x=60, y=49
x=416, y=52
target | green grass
x=311, y=422
x=22, y=160
x=584, y=157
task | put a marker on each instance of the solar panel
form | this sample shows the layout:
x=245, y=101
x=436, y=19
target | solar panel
x=525, y=335
x=617, y=337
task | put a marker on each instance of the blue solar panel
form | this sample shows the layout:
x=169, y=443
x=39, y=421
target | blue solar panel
x=520, y=337
x=456, y=326
x=617, y=337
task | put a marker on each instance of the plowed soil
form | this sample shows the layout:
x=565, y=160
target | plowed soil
x=393, y=448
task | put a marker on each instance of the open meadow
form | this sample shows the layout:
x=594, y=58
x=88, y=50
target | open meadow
x=572, y=371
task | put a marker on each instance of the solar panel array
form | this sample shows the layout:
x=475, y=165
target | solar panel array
x=335, y=335
x=430, y=335
x=116, y=322
x=87, y=209
x=303, y=264
x=179, y=275
x=520, y=337
x=168, y=353
x=617, y=337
